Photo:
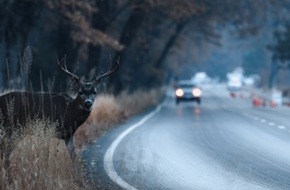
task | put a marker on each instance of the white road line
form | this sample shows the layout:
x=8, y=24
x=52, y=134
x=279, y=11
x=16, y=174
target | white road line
x=263, y=120
x=281, y=127
x=256, y=118
x=108, y=158
x=271, y=123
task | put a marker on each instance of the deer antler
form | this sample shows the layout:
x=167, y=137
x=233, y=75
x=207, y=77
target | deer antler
x=64, y=68
x=108, y=72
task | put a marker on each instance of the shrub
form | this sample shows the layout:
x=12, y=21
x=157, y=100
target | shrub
x=35, y=159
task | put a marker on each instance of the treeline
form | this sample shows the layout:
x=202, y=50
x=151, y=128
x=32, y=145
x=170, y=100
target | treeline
x=91, y=34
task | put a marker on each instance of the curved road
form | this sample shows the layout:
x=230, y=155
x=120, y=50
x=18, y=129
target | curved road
x=224, y=144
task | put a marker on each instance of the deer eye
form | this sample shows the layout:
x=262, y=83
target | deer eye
x=81, y=92
x=94, y=92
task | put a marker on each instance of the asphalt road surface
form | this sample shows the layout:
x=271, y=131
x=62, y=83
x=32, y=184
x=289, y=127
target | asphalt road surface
x=224, y=144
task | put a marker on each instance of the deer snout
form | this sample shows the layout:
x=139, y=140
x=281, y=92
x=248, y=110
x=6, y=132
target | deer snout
x=88, y=104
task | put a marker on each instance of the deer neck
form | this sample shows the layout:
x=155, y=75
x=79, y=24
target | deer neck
x=76, y=115
x=80, y=113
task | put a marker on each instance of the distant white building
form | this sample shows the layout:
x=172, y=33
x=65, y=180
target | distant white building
x=235, y=79
x=201, y=78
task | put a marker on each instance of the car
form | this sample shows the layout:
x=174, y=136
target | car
x=187, y=91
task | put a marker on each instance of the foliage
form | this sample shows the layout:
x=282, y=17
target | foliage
x=141, y=33
x=281, y=47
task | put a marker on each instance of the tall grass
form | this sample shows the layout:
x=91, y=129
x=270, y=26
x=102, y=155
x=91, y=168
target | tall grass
x=138, y=101
x=35, y=159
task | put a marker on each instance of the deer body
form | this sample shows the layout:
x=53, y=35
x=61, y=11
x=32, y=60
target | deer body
x=69, y=112
x=59, y=108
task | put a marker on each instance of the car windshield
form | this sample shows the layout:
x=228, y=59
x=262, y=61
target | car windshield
x=185, y=85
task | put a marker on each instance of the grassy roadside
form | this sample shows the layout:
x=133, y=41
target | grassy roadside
x=110, y=110
x=38, y=160
x=35, y=159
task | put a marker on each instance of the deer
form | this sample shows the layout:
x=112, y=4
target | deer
x=69, y=112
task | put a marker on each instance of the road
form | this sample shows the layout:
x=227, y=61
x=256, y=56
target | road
x=224, y=144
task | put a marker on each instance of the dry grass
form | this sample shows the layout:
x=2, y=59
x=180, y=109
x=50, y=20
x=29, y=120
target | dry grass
x=109, y=110
x=36, y=159
x=43, y=128
x=106, y=111
x=38, y=163
x=138, y=101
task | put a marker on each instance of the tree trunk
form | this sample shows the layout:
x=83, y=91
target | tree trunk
x=178, y=30
x=273, y=74
x=3, y=72
x=13, y=63
x=128, y=35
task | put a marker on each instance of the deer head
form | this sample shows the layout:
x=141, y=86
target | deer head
x=86, y=90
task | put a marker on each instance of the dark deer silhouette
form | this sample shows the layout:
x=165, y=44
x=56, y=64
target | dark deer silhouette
x=69, y=112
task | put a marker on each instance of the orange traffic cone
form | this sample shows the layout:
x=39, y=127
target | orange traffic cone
x=257, y=102
x=273, y=103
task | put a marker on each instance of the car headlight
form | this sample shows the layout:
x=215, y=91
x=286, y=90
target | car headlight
x=179, y=92
x=196, y=92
